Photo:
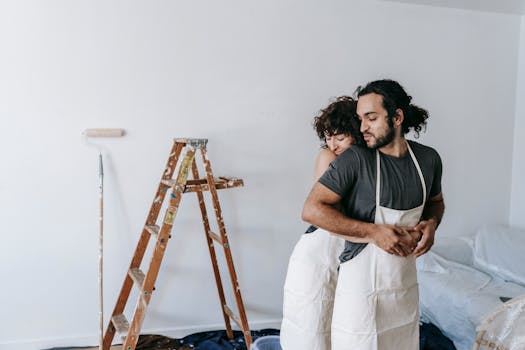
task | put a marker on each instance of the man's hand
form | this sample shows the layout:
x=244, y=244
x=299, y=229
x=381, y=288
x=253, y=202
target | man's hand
x=428, y=231
x=394, y=240
x=433, y=212
x=416, y=234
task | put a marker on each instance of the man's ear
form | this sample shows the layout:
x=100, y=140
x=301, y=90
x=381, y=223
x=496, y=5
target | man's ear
x=399, y=117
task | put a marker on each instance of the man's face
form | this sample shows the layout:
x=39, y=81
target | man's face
x=374, y=121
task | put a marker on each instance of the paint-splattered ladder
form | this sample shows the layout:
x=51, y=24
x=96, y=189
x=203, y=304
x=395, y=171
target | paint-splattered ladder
x=146, y=281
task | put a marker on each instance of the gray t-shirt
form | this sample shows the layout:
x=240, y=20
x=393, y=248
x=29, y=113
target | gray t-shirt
x=353, y=177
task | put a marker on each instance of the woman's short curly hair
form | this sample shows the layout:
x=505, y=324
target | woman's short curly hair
x=339, y=117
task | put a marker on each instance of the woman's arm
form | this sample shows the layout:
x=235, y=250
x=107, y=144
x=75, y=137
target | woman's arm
x=323, y=160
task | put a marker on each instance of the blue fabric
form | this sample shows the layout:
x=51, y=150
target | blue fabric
x=218, y=340
x=431, y=338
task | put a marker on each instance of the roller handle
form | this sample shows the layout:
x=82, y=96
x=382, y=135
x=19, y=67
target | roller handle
x=104, y=132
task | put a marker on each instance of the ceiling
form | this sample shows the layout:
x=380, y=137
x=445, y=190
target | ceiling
x=516, y=7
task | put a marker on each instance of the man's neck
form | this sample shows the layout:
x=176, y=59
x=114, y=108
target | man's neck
x=397, y=148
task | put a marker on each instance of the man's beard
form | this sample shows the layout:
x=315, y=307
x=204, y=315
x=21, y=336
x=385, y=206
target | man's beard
x=385, y=140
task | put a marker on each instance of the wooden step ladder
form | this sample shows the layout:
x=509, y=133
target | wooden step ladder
x=145, y=281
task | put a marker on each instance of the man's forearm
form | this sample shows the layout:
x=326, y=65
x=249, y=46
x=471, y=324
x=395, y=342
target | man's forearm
x=331, y=219
x=352, y=239
x=434, y=210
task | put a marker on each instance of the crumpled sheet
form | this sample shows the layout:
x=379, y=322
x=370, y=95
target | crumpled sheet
x=498, y=251
x=456, y=297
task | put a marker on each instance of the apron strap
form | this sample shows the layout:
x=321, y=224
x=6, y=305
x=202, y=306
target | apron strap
x=378, y=179
x=423, y=184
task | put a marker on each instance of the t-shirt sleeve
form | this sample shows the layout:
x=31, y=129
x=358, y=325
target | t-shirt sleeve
x=340, y=175
x=438, y=170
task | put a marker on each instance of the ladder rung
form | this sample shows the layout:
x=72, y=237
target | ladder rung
x=197, y=182
x=137, y=276
x=228, y=182
x=224, y=178
x=168, y=182
x=153, y=229
x=234, y=317
x=195, y=143
x=215, y=237
x=488, y=344
x=120, y=323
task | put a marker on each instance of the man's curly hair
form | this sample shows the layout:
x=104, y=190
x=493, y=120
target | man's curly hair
x=395, y=97
x=339, y=117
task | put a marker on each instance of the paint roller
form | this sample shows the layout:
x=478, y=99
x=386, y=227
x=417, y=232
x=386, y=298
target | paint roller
x=101, y=133
x=104, y=132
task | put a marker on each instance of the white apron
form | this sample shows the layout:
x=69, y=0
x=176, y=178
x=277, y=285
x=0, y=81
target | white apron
x=376, y=300
x=309, y=292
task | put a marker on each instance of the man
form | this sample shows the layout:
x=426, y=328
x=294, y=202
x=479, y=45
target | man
x=390, y=193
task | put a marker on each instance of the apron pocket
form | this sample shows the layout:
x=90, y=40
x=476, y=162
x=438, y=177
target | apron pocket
x=397, y=308
x=354, y=313
x=396, y=272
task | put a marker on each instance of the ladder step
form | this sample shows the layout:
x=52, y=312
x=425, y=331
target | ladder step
x=221, y=183
x=215, y=237
x=120, y=323
x=195, y=143
x=137, y=276
x=168, y=182
x=153, y=229
x=234, y=317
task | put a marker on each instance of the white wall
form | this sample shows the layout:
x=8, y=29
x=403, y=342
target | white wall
x=518, y=171
x=501, y=6
x=248, y=76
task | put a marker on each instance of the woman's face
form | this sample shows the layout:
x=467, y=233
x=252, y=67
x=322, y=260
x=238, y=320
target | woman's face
x=338, y=143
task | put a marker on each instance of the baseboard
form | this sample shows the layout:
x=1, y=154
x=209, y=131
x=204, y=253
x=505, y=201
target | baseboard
x=92, y=340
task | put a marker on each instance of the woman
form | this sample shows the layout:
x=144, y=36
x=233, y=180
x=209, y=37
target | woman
x=312, y=271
